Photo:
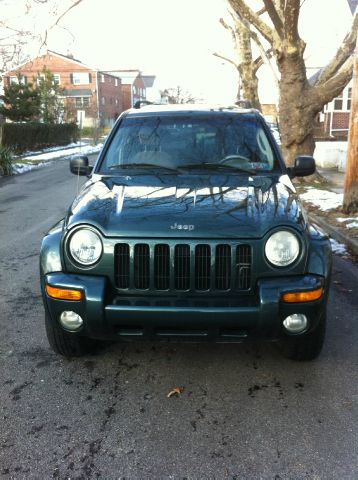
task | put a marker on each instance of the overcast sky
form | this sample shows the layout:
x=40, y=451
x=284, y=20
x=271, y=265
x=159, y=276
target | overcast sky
x=175, y=40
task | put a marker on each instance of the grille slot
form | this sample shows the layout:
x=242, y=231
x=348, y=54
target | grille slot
x=121, y=270
x=202, y=267
x=223, y=267
x=161, y=267
x=141, y=266
x=243, y=267
x=183, y=267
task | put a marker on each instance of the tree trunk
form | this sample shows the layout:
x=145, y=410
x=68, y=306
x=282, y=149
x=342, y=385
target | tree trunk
x=295, y=108
x=249, y=86
x=247, y=68
x=350, y=200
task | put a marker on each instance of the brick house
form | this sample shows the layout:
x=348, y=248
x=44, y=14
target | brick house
x=335, y=117
x=133, y=86
x=90, y=95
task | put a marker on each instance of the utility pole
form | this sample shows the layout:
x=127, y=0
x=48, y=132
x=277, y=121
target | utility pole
x=350, y=200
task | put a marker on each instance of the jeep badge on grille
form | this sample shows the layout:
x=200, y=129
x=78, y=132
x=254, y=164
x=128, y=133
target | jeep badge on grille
x=177, y=226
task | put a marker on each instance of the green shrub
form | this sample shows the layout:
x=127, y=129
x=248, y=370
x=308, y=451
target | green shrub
x=95, y=133
x=34, y=135
x=6, y=158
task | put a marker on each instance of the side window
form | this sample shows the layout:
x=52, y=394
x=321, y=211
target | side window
x=265, y=150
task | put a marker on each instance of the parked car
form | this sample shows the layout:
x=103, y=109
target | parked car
x=188, y=228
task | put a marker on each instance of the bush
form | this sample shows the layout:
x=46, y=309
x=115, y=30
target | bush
x=95, y=133
x=34, y=135
x=6, y=158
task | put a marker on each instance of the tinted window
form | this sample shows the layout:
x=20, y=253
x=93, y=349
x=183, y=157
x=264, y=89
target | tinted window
x=179, y=141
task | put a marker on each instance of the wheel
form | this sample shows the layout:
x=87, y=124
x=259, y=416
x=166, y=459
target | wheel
x=65, y=343
x=307, y=347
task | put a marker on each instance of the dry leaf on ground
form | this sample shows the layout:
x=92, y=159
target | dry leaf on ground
x=175, y=391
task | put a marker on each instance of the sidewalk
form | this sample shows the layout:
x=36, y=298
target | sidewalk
x=324, y=205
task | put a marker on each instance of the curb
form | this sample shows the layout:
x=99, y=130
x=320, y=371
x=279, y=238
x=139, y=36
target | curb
x=335, y=233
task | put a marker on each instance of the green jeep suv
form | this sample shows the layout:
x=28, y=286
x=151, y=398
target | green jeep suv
x=190, y=229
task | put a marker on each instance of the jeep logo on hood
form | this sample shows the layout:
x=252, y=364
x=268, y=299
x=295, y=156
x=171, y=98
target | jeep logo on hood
x=177, y=226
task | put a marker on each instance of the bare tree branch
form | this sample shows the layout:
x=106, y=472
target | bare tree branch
x=265, y=55
x=274, y=16
x=240, y=7
x=291, y=13
x=228, y=27
x=77, y=2
x=342, y=54
x=261, y=11
x=325, y=93
x=225, y=58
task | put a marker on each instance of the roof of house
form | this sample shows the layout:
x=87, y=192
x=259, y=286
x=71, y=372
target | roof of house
x=127, y=76
x=148, y=80
x=353, y=5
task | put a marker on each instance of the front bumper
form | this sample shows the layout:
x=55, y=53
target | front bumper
x=218, y=319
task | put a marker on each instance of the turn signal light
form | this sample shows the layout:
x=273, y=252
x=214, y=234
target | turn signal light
x=63, y=293
x=298, y=297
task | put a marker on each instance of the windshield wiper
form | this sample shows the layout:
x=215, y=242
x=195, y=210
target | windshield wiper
x=215, y=166
x=140, y=165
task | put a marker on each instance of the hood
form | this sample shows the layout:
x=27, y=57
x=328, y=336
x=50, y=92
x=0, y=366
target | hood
x=206, y=206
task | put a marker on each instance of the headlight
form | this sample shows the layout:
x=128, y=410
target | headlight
x=282, y=248
x=85, y=246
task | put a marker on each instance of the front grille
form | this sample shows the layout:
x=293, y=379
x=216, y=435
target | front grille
x=183, y=267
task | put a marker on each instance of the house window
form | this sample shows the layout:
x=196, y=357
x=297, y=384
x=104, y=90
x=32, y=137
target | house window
x=116, y=82
x=116, y=101
x=102, y=78
x=338, y=102
x=18, y=79
x=103, y=101
x=40, y=78
x=134, y=89
x=80, y=78
x=82, y=102
x=56, y=78
x=349, y=100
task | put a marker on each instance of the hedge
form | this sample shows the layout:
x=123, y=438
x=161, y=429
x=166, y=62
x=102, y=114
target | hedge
x=32, y=136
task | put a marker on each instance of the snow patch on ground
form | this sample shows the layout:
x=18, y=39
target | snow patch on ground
x=31, y=153
x=346, y=219
x=27, y=167
x=338, y=247
x=352, y=224
x=46, y=156
x=51, y=155
x=324, y=199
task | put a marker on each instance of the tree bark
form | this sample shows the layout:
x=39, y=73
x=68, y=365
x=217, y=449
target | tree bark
x=350, y=200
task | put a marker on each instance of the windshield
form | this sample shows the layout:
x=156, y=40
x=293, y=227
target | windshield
x=190, y=142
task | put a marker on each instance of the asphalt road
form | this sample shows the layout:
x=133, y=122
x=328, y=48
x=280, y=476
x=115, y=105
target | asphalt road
x=245, y=412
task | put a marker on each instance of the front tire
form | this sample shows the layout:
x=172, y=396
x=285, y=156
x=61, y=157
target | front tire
x=306, y=347
x=65, y=343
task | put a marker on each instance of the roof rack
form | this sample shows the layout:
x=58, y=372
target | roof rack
x=141, y=103
x=243, y=103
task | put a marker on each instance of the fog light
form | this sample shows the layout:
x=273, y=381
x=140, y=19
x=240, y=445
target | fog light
x=295, y=323
x=71, y=320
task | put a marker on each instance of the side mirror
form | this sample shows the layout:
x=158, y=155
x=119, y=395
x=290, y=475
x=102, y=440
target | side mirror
x=79, y=166
x=304, y=166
